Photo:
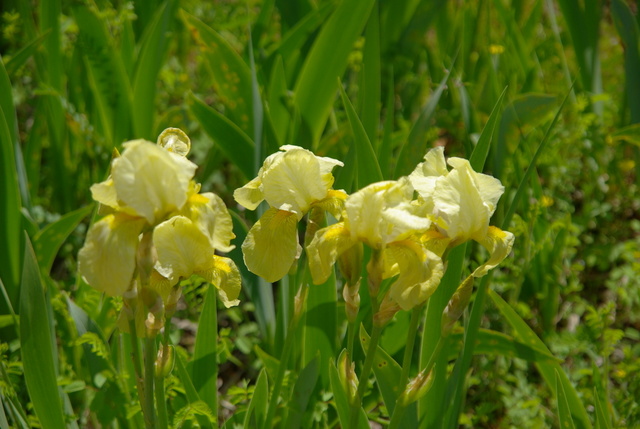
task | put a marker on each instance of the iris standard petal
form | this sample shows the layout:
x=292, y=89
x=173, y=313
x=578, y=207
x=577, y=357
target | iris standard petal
x=108, y=258
x=150, y=180
x=498, y=243
x=293, y=181
x=458, y=202
x=182, y=249
x=250, y=195
x=419, y=272
x=271, y=245
x=209, y=213
x=325, y=248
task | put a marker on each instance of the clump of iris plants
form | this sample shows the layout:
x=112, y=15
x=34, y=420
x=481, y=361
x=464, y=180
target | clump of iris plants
x=156, y=229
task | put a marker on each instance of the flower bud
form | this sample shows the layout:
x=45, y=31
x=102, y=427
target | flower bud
x=165, y=361
x=348, y=377
x=351, y=295
x=299, y=302
x=416, y=388
x=174, y=140
x=388, y=309
x=458, y=302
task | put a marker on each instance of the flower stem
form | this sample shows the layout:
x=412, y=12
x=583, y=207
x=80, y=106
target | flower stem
x=411, y=338
x=161, y=403
x=364, y=376
x=277, y=386
x=350, y=337
x=149, y=376
x=140, y=383
x=400, y=408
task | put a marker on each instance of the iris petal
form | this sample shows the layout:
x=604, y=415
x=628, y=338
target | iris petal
x=226, y=278
x=325, y=248
x=150, y=180
x=107, y=259
x=182, y=249
x=419, y=272
x=271, y=245
x=499, y=244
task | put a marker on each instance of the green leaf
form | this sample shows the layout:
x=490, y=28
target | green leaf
x=204, y=367
x=525, y=112
x=48, y=240
x=341, y=401
x=481, y=150
x=564, y=414
x=370, y=78
x=257, y=409
x=302, y=391
x=327, y=60
x=231, y=74
x=388, y=372
x=415, y=147
x=109, y=82
x=550, y=371
x=293, y=41
x=270, y=363
x=321, y=324
x=532, y=164
x=368, y=168
x=37, y=343
x=190, y=391
x=602, y=416
x=235, y=144
x=9, y=194
x=490, y=342
x=21, y=57
x=630, y=34
x=629, y=134
x=152, y=51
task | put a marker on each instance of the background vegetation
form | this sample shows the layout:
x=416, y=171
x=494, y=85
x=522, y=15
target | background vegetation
x=78, y=78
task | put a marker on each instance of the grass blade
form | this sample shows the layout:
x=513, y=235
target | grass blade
x=302, y=391
x=151, y=54
x=368, y=168
x=630, y=34
x=315, y=88
x=415, y=147
x=548, y=370
x=530, y=169
x=230, y=73
x=257, y=409
x=204, y=367
x=10, y=201
x=47, y=241
x=564, y=412
x=234, y=142
x=37, y=345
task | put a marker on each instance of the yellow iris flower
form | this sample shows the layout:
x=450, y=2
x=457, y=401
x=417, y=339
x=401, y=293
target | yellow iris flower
x=381, y=215
x=292, y=182
x=460, y=202
x=150, y=189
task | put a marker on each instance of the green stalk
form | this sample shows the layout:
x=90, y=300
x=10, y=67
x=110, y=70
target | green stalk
x=137, y=366
x=161, y=403
x=401, y=406
x=350, y=337
x=411, y=339
x=277, y=386
x=149, y=376
x=364, y=376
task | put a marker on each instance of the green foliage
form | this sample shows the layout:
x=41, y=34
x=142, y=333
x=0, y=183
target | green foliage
x=373, y=84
